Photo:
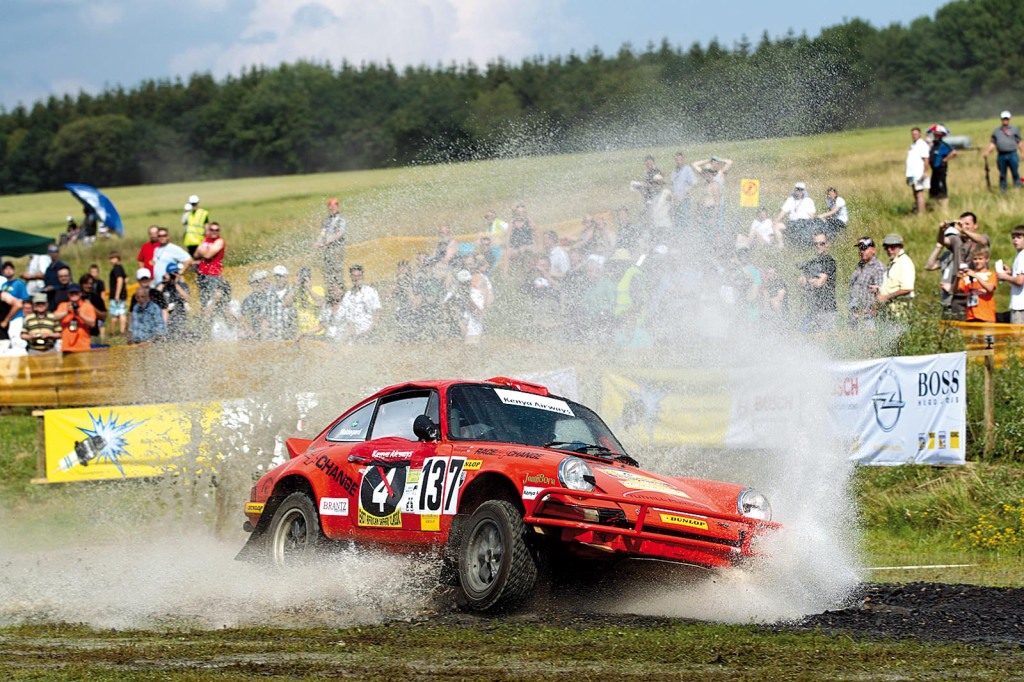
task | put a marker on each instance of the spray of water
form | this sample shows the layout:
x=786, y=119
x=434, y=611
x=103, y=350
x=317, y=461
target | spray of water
x=161, y=553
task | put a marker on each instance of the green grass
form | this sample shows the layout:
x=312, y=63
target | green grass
x=486, y=650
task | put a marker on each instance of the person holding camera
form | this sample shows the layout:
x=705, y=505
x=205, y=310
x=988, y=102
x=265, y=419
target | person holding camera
x=176, y=294
x=962, y=238
x=77, y=316
x=979, y=285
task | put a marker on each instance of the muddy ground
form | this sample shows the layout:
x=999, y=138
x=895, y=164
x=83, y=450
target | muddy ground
x=939, y=612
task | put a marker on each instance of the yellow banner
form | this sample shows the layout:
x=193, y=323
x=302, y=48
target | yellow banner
x=668, y=407
x=122, y=441
x=750, y=192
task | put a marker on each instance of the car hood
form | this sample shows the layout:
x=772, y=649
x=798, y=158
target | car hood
x=643, y=486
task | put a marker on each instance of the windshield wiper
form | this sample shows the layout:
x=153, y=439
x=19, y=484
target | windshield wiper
x=591, y=449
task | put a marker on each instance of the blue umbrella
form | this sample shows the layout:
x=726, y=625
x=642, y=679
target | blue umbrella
x=96, y=200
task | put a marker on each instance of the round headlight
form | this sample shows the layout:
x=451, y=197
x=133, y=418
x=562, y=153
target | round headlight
x=753, y=505
x=575, y=474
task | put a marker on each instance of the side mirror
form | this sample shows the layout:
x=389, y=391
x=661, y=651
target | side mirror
x=425, y=429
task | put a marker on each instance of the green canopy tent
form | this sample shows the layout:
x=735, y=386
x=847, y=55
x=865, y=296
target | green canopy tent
x=14, y=243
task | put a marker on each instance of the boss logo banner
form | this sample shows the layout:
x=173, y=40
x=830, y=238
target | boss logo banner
x=906, y=410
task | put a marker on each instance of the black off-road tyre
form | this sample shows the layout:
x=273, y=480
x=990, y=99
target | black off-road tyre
x=294, y=536
x=497, y=570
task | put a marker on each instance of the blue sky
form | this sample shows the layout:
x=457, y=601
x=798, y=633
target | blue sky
x=64, y=46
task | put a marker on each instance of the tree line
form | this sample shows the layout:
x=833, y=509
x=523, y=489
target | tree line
x=967, y=60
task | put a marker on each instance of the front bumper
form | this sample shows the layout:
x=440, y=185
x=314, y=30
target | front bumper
x=647, y=529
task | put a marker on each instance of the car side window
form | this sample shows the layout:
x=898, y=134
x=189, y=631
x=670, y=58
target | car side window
x=396, y=415
x=353, y=427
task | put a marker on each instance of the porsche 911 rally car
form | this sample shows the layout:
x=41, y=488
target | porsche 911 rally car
x=499, y=476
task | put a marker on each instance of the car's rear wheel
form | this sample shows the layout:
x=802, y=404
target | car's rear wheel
x=294, y=535
x=497, y=570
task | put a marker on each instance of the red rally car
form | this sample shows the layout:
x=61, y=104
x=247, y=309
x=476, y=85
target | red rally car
x=501, y=477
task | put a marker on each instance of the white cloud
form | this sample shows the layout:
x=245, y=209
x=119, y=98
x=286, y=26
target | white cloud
x=406, y=32
x=102, y=14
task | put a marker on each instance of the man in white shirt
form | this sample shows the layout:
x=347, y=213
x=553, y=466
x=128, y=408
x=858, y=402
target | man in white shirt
x=795, y=216
x=917, y=165
x=166, y=253
x=1015, y=276
x=559, y=257
x=360, y=305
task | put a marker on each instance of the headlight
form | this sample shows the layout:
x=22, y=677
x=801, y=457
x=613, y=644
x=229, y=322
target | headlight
x=753, y=505
x=575, y=474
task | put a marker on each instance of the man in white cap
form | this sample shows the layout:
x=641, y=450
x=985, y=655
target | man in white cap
x=1007, y=143
x=195, y=225
x=897, y=288
x=795, y=216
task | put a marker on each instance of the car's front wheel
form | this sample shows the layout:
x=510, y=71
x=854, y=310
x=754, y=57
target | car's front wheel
x=496, y=568
x=294, y=534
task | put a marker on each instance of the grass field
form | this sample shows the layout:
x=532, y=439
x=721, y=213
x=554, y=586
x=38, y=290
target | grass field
x=908, y=516
x=278, y=217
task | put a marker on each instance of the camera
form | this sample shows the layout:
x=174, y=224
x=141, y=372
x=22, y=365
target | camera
x=74, y=305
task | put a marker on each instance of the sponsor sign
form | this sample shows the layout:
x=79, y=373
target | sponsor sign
x=537, y=402
x=677, y=520
x=905, y=410
x=333, y=506
x=750, y=193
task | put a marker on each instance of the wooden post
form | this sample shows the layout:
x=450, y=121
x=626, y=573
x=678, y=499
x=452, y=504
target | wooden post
x=990, y=403
x=989, y=400
x=41, y=446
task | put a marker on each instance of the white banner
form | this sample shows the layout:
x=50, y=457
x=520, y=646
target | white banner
x=904, y=410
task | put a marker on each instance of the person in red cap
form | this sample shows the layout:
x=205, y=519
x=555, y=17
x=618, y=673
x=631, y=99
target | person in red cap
x=938, y=160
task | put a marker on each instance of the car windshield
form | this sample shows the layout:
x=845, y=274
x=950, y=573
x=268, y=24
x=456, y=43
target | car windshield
x=502, y=415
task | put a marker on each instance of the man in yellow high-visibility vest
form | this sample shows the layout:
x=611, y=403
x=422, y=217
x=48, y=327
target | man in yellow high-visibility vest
x=195, y=225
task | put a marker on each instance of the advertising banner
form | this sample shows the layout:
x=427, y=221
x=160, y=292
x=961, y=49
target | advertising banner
x=905, y=410
x=122, y=441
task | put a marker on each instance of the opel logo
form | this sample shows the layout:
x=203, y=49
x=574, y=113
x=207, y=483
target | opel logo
x=888, y=401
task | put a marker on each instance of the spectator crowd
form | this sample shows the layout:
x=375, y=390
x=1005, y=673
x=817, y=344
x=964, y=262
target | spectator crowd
x=629, y=276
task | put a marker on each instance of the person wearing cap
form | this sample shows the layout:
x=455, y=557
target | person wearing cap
x=41, y=274
x=70, y=234
x=147, y=319
x=1007, y=144
x=195, y=225
x=145, y=281
x=77, y=317
x=176, y=295
x=333, y=231
x=897, y=288
x=865, y=281
x=166, y=253
x=361, y=305
x=13, y=293
x=938, y=164
x=280, y=311
x=917, y=168
x=795, y=216
x=254, y=306
x=41, y=329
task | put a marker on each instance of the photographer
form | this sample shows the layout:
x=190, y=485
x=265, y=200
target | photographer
x=175, y=293
x=77, y=317
x=962, y=238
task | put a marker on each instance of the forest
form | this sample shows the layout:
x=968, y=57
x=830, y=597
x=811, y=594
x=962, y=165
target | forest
x=966, y=61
